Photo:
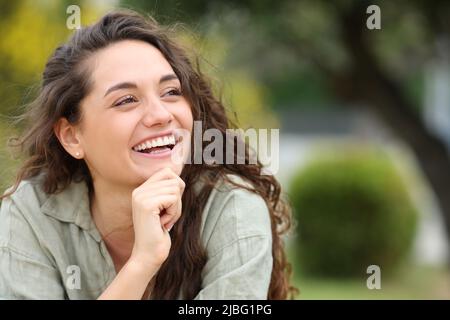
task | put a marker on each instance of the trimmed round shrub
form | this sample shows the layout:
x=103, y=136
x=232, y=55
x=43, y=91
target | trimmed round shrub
x=352, y=211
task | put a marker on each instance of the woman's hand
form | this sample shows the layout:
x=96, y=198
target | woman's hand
x=156, y=206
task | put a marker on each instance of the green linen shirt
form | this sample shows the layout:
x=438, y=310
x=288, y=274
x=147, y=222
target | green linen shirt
x=48, y=240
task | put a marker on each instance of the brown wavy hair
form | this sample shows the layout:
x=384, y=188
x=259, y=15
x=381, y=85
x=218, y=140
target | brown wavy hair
x=65, y=82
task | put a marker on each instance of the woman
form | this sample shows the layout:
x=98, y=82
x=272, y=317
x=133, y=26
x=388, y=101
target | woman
x=100, y=209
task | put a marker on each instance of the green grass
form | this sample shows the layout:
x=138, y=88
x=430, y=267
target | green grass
x=411, y=282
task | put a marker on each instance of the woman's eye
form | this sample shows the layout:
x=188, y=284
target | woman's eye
x=172, y=92
x=125, y=100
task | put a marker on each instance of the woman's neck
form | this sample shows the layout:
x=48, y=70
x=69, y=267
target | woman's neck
x=112, y=214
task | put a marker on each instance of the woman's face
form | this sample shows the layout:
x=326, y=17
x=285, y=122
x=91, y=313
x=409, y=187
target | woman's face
x=135, y=98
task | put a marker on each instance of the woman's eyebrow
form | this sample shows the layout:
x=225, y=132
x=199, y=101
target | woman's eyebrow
x=132, y=85
x=121, y=85
x=168, y=77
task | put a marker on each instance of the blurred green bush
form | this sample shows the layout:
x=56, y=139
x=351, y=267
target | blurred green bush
x=352, y=211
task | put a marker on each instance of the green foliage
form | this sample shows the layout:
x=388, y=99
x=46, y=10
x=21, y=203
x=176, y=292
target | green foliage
x=244, y=97
x=8, y=165
x=31, y=30
x=352, y=211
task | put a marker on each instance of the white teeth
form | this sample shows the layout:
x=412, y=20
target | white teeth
x=157, y=142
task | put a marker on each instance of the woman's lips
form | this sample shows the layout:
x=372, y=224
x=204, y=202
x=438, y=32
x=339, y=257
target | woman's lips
x=158, y=154
x=175, y=153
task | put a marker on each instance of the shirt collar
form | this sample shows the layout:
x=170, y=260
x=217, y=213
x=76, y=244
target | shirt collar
x=72, y=206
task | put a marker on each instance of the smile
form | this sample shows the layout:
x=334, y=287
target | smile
x=156, y=145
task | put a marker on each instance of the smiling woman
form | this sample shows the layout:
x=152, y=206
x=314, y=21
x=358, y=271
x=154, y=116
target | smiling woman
x=100, y=191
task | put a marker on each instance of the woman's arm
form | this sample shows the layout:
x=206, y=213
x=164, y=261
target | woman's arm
x=239, y=245
x=130, y=283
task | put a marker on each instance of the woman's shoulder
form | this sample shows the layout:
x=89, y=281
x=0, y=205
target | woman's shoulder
x=233, y=187
x=233, y=212
x=30, y=209
x=30, y=196
x=32, y=219
x=29, y=193
x=237, y=197
x=19, y=213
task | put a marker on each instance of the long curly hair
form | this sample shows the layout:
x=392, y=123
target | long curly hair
x=65, y=82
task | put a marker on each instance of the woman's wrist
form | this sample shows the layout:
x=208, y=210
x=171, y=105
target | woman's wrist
x=131, y=282
x=143, y=265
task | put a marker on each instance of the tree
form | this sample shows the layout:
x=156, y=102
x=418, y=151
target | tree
x=359, y=65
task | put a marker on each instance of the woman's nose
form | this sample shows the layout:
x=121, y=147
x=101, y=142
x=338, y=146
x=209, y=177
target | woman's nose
x=156, y=114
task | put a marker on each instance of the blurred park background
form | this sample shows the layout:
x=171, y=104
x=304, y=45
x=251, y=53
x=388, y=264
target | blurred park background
x=364, y=119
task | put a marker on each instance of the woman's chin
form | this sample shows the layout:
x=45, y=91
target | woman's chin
x=146, y=173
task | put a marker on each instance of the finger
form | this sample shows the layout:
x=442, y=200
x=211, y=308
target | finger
x=164, y=173
x=155, y=192
x=169, y=224
x=157, y=204
x=142, y=193
x=164, y=183
x=171, y=216
x=165, y=205
x=151, y=222
x=172, y=213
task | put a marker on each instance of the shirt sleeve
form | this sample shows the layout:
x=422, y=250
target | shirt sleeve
x=25, y=270
x=239, y=249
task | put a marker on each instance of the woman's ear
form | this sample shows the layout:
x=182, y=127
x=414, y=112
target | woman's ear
x=67, y=135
